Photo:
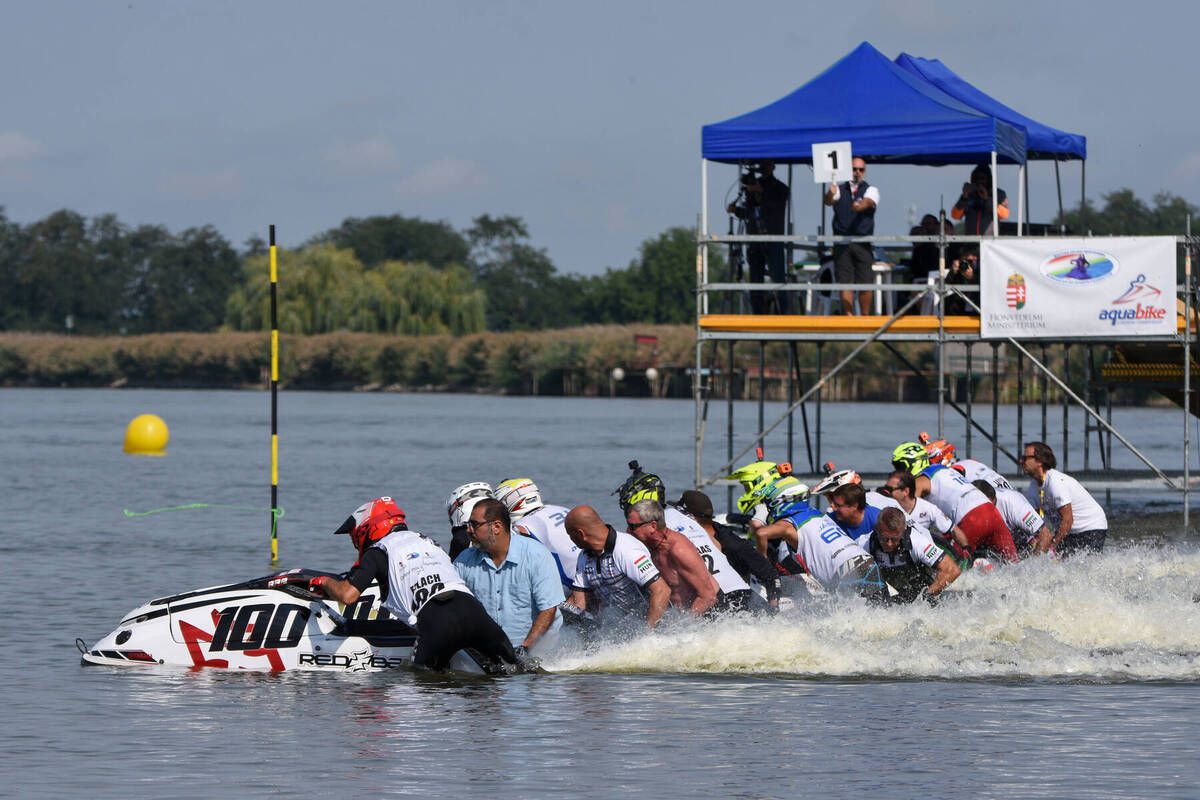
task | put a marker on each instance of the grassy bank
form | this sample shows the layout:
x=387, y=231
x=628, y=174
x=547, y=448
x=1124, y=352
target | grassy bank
x=573, y=361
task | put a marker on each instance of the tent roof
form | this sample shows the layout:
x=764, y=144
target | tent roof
x=1041, y=141
x=886, y=113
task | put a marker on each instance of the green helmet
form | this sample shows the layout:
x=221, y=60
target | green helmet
x=757, y=479
x=640, y=486
x=910, y=457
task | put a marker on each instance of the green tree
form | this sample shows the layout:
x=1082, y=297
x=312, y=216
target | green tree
x=523, y=292
x=1125, y=214
x=397, y=238
x=323, y=288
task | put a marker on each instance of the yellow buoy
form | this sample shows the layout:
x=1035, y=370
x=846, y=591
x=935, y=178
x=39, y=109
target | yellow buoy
x=146, y=435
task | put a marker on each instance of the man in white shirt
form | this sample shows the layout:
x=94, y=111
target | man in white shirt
x=1082, y=524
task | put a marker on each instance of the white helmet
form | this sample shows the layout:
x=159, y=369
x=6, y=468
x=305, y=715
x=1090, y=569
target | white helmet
x=521, y=495
x=463, y=499
x=837, y=479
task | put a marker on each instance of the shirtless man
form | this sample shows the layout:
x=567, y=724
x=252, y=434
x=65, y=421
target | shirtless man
x=678, y=561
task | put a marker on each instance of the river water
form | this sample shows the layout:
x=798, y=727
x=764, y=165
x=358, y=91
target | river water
x=1050, y=680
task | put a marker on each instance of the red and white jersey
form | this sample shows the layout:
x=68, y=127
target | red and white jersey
x=952, y=493
x=928, y=516
x=547, y=525
x=977, y=470
x=718, y=566
x=417, y=570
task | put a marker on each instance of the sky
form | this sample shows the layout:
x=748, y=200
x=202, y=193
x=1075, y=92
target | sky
x=582, y=118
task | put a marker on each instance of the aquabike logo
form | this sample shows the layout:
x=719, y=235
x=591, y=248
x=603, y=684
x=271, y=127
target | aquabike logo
x=1079, y=266
x=1139, y=304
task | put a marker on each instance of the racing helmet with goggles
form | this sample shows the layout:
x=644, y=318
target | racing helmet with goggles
x=640, y=486
x=463, y=499
x=519, y=495
x=940, y=451
x=757, y=479
x=372, y=521
x=836, y=480
x=910, y=457
x=787, y=490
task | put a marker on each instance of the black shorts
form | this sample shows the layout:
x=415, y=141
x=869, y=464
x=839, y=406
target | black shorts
x=453, y=621
x=852, y=263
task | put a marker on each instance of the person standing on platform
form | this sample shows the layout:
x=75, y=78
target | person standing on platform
x=974, y=205
x=764, y=210
x=1082, y=524
x=854, y=204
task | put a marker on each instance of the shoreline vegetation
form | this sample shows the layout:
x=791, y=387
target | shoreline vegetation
x=567, y=362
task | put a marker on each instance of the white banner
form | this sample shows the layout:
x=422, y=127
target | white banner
x=1052, y=288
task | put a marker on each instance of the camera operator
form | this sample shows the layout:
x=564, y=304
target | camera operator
x=974, y=206
x=963, y=270
x=762, y=205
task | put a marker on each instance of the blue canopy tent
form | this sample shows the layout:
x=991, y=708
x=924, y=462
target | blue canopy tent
x=889, y=114
x=1042, y=141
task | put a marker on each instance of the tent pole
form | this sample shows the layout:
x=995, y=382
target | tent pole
x=1083, y=220
x=995, y=198
x=1025, y=186
x=1062, y=219
x=704, y=232
x=1021, y=200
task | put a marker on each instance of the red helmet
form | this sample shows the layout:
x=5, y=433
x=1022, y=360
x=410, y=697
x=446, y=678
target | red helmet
x=372, y=521
x=940, y=451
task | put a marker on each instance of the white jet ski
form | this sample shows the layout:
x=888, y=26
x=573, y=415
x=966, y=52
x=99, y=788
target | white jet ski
x=265, y=624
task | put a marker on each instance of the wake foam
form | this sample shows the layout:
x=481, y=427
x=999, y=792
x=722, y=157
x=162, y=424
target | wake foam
x=1129, y=615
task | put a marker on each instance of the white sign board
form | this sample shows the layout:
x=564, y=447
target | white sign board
x=1053, y=288
x=831, y=162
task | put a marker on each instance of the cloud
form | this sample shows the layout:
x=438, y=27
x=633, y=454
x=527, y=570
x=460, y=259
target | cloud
x=365, y=155
x=16, y=148
x=205, y=184
x=444, y=176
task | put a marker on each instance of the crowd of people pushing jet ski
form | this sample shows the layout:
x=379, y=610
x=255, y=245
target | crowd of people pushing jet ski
x=518, y=567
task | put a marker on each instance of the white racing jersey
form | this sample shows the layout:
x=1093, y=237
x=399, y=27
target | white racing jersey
x=921, y=550
x=617, y=575
x=547, y=525
x=824, y=547
x=952, y=493
x=928, y=516
x=881, y=501
x=977, y=470
x=1020, y=517
x=1058, y=490
x=417, y=570
x=718, y=565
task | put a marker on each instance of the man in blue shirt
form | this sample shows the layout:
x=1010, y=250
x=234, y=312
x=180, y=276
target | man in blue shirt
x=515, y=577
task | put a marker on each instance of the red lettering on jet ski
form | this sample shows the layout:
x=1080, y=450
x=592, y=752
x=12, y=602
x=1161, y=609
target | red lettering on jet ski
x=193, y=637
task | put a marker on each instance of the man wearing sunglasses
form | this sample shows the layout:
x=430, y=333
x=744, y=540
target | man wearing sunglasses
x=514, y=577
x=909, y=560
x=1082, y=523
x=693, y=588
x=854, y=204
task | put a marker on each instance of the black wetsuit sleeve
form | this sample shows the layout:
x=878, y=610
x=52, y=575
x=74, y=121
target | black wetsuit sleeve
x=459, y=541
x=748, y=561
x=372, y=566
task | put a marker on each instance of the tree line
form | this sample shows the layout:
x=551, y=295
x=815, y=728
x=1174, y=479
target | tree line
x=381, y=274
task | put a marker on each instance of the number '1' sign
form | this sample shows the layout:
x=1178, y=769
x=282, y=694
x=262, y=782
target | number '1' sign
x=831, y=162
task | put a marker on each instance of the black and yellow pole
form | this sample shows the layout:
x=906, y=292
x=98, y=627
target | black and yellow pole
x=274, y=407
